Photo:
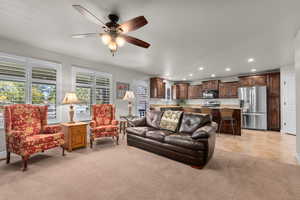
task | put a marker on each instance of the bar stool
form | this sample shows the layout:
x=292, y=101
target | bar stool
x=207, y=111
x=227, y=115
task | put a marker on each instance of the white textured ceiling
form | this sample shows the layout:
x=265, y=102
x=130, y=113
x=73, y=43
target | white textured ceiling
x=184, y=35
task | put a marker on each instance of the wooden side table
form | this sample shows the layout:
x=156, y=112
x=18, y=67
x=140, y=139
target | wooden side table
x=75, y=135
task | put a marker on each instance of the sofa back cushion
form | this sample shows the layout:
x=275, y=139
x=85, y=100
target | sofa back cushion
x=192, y=121
x=153, y=118
x=26, y=118
x=170, y=120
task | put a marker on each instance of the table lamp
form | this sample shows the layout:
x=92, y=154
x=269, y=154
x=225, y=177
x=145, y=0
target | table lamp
x=129, y=96
x=71, y=98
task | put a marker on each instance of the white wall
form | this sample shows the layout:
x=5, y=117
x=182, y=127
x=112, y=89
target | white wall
x=297, y=68
x=118, y=74
x=288, y=99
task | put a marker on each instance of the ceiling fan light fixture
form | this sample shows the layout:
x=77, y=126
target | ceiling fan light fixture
x=120, y=41
x=106, y=39
x=113, y=46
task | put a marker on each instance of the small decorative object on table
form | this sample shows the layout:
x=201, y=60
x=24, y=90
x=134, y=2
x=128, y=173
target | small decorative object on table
x=75, y=135
x=71, y=98
x=129, y=96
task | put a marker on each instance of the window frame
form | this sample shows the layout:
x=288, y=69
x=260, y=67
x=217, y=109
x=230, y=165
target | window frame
x=94, y=74
x=28, y=64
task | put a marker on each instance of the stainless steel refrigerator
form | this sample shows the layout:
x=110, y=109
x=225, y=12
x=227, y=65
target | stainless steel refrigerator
x=254, y=107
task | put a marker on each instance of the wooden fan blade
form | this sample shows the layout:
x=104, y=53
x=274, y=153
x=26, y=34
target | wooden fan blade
x=133, y=24
x=87, y=14
x=86, y=35
x=136, y=41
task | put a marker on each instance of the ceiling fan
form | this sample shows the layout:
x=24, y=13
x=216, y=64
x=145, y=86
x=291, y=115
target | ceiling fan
x=114, y=34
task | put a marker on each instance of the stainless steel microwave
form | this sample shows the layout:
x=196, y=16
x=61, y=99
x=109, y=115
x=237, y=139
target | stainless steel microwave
x=210, y=94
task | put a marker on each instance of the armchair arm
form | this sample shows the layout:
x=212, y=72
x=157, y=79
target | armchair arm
x=93, y=124
x=137, y=122
x=114, y=122
x=50, y=129
x=205, y=131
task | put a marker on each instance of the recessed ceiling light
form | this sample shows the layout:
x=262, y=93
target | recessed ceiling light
x=201, y=68
x=184, y=79
x=228, y=69
x=253, y=70
x=213, y=75
x=190, y=74
x=250, y=60
x=167, y=74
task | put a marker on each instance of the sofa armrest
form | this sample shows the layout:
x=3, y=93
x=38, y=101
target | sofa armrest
x=205, y=131
x=50, y=129
x=137, y=122
x=93, y=124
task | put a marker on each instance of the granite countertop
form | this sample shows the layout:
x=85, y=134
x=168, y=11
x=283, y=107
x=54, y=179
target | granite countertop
x=194, y=106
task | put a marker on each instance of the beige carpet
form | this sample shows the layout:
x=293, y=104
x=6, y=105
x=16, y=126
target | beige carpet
x=112, y=172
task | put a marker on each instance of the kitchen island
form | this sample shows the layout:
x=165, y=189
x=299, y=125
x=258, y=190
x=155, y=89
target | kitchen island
x=216, y=115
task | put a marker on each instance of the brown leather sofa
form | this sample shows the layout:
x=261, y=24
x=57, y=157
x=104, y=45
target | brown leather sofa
x=193, y=142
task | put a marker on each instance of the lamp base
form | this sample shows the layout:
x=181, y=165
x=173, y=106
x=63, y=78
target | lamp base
x=71, y=114
x=129, y=108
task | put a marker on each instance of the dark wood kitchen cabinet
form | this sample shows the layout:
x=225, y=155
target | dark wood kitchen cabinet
x=273, y=87
x=181, y=90
x=246, y=81
x=195, y=92
x=228, y=90
x=210, y=85
x=157, y=88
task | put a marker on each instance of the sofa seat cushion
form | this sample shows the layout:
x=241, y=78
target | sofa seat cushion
x=192, y=121
x=42, y=139
x=158, y=135
x=140, y=131
x=170, y=120
x=184, y=140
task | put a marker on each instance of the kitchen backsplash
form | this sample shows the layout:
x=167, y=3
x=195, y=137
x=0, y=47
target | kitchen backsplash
x=222, y=101
x=195, y=101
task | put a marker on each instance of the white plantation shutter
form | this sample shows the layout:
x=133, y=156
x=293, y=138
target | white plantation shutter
x=43, y=73
x=11, y=69
x=142, y=99
x=44, y=82
x=102, y=89
x=91, y=88
x=84, y=79
x=27, y=80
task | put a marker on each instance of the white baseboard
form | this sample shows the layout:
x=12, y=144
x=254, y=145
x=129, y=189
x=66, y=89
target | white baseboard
x=2, y=154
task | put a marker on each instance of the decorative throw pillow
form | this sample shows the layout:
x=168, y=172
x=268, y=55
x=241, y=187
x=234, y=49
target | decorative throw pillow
x=170, y=120
x=192, y=121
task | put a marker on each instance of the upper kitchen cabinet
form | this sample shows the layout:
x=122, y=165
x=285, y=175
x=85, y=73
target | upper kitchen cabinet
x=181, y=90
x=157, y=88
x=228, y=90
x=253, y=80
x=210, y=85
x=195, y=91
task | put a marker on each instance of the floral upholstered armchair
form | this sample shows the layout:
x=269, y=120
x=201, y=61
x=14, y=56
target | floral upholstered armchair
x=103, y=123
x=27, y=131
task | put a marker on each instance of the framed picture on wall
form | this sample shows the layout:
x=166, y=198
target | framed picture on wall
x=121, y=89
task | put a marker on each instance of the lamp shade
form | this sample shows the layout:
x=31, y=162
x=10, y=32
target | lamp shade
x=70, y=98
x=129, y=96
